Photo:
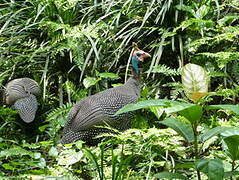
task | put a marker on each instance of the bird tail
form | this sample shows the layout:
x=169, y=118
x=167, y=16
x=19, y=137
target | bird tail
x=27, y=108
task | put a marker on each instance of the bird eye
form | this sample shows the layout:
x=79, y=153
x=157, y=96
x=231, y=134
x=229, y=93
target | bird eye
x=138, y=54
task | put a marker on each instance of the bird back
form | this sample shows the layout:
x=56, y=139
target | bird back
x=20, y=88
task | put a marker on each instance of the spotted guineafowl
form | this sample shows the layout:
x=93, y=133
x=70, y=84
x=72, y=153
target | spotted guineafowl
x=99, y=109
x=21, y=95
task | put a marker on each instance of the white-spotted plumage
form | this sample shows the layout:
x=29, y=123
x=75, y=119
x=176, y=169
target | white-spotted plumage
x=98, y=110
x=26, y=107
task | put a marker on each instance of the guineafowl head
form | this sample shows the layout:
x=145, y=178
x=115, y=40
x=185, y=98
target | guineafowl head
x=138, y=56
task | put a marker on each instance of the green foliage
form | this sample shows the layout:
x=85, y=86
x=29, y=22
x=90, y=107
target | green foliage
x=140, y=105
x=230, y=138
x=169, y=175
x=185, y=130
x=165, y=70
x=213, y=168
x=57, y=119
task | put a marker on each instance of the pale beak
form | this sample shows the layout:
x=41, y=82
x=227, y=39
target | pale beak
x=144, y=55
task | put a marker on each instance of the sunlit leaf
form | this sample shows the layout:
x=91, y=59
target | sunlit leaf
x=69, y=157
x=8, y=166
x=196, y=96
x=53, y=152
x=90, y=81
x=140, y=105
x=108, y=75
x=15, y=151
x=229, y=107
x=175, y=106
x=201, y=12
x=212, y=132
x=195, y=81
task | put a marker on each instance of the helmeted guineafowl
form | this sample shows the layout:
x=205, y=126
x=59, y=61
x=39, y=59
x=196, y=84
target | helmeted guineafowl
x=99, y=109
x=21, y=94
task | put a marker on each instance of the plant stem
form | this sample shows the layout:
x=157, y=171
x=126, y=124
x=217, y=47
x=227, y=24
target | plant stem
x=233, y=168
x=196, y=146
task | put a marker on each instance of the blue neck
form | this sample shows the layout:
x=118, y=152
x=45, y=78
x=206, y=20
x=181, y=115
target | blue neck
x=135, y=64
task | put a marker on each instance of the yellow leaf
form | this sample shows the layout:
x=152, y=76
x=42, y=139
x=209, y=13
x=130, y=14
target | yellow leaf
x=196, y=96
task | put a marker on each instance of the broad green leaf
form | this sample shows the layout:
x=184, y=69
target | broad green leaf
x=231, y=131
x=158, y=111
x=69, y=157
x=90, y=81
x=231, y=142
x=108, y=75
x=185, y=130
x=169, y=175
x=201, y=12
x=213, y=168
x=192, y=113
x=118, y=84
x=175, y=106
x=230, y=107
x=195, y=81
x=212, y=132
x=53, y=152
x=140, y=105
x=232, y=146
x=186, y=165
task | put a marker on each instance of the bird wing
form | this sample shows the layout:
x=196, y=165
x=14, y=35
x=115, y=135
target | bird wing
x=86, y=114
x=98, y=109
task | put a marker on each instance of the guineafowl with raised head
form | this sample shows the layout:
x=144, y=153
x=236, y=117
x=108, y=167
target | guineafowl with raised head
x=99, y=109
x=21, y=95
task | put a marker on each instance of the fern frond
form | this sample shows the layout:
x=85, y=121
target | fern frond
x=57, y=119
x=165, y=70
x=59, y=112
x=223, y=57
x=230, y=35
